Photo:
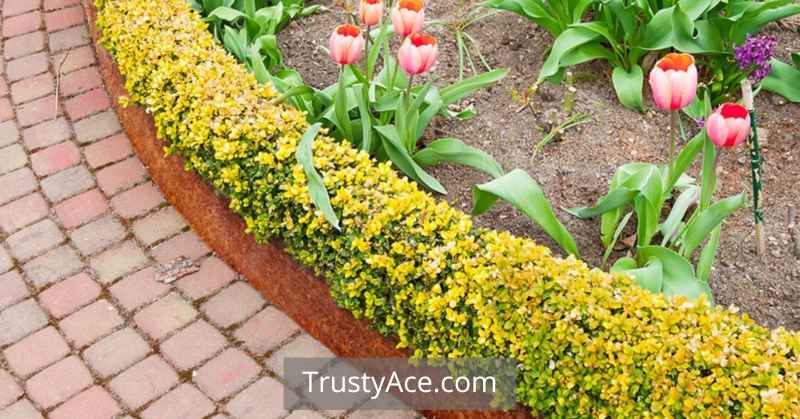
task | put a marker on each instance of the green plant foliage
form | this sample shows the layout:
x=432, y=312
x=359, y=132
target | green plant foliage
x=521, y=191
x=784, y=79
x=622, y=32
x=386, y=116
x=555, y=16
x=588, y=343
x=316, y=187
x=247, y=28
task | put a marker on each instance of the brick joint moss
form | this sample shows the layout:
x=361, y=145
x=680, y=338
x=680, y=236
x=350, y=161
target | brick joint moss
x=591, y=344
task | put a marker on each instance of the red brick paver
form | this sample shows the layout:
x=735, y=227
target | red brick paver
x=89, y=328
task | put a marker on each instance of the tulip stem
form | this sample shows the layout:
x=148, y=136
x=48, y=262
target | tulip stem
x=755, y=167
x=673, y=133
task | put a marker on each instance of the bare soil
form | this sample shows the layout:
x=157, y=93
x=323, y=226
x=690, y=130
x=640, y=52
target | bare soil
x=575, y=170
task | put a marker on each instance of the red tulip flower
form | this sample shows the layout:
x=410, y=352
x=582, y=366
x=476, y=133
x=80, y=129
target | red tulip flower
x=729, y=125
x=346, y=44
x=673, y=81
x=407, y=17
x=418, y=53
x=370, y=12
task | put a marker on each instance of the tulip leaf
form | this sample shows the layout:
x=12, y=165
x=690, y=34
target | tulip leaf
x=616, y=198
x=454, y=150
x=708, y=255
x=520, y=190
x=569, y=40
x=670, y=226
x=615, y=238
x=457, y=91
x=650, y=276
x=707, y=220
x=393, y=146
x=784, y=79
x=628, y=85
x=678, y=275
x=316, y=187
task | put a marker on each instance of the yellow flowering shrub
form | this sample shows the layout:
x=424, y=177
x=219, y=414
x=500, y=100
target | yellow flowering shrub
x=590, y=344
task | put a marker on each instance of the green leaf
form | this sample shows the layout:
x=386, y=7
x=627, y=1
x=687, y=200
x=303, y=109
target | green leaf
x=628, y=85
x=434, y=104
x=708, y=185
x=457, y=91
x=455, y=151
x=684, y=160
x=616, y=198
x=316, y=187
x=670, y=226
x=615, y=238
x=707, y=220
x=225, y=14
x=708, y=255
x=340, y=109
x=520, y=190
x=649, y=277
x=568, y=40
x=677, y=272
x=400, y=157
x=292, y=92
x=768, y=12
x=375, y=49
x=784, y=79
x=533, y=10
x=586, y=52
x=366, y=119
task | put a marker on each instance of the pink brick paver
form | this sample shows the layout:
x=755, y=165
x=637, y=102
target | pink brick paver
x=36, y=351
x=55, y=158
x=81, y=208
x=59, y=382
x=88, y=328
x=94, y=403
x=70, y=294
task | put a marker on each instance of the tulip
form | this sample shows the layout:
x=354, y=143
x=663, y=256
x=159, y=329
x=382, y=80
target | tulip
x=673, y=81
x=346, y=44
x=418, y=53
x=729, y=125
x=407, y=17
x=370, y=12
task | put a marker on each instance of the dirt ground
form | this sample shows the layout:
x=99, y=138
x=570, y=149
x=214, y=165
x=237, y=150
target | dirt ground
x=575, y=170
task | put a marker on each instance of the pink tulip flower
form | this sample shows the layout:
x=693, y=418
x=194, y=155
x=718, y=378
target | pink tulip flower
x=729, y=125
x=673, y=81
x=407, y=17
x=346, y=44
x=418, y=53
x=370, y=12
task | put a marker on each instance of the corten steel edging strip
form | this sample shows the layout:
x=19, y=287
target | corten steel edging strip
x=284, y=282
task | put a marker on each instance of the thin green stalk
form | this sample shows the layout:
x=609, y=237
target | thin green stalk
x=673, y=133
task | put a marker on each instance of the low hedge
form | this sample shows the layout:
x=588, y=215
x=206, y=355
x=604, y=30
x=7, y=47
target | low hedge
x=589, y=343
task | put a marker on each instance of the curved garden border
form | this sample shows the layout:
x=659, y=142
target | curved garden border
x=283, y=281
x=589, y=342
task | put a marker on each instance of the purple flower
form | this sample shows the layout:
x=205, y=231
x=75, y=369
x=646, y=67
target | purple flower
x=701, y=122
x=755, y=54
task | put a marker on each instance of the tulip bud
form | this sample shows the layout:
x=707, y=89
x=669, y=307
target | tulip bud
x=729, y=125
x=418, y=53
x=346, y=44
x=407, y=17
x=673, y=81
x=370, y=12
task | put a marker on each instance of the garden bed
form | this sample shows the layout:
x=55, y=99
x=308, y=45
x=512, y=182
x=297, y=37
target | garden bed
x=588, y=343
x=574, y=171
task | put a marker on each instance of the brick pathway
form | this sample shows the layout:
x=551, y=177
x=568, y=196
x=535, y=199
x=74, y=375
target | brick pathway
x=86, y=330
